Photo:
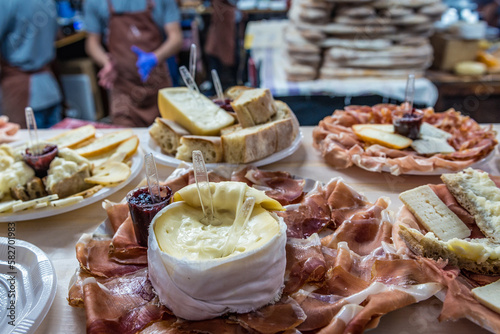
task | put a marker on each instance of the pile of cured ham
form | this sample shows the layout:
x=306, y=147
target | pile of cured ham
x=346, y=267
x=341, y=148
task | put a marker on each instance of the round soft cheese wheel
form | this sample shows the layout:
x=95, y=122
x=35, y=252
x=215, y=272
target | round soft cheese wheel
x=190, y=268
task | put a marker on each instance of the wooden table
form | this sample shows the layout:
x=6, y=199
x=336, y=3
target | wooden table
x=57, y=236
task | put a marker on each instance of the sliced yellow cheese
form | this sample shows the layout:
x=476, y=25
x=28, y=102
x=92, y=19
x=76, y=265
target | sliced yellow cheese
x=196, y=113
x=433, y=214
x=105, y=143
x=489, y=295
x=73, y=137
x=381, y=127
x=391, y=140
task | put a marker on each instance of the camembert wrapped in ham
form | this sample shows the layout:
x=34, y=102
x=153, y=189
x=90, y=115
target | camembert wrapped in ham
x=202, y=270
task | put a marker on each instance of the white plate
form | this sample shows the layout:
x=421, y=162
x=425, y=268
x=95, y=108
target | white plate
x=440, y=171
x=35, y=286
x=149, y=145
x=137, y=162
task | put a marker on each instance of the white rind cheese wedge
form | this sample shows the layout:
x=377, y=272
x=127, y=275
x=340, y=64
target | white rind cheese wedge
x=433, y=214
x=428, y=130
x=431, y=145
x=197, y=114
x=190, y=268
x=489, y=295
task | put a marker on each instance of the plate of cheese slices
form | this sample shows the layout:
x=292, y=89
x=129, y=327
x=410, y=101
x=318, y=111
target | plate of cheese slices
x=71, y=170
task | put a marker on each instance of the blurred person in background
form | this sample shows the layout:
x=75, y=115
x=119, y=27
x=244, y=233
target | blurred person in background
x=133, y=67
x=27, y=33
x=489, y=11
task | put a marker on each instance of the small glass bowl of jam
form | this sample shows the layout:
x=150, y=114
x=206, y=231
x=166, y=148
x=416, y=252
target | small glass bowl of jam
x=224, y=104
x=143, y=208
x=407, y=123
x=40, y=162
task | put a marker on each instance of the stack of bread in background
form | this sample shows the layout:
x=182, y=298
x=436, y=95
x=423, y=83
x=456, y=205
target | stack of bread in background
x=258, y=128
x=357, y=38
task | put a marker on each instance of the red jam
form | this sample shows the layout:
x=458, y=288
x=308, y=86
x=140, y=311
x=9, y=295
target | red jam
x=224, y=104
x=408, y=124
x=143, y=209
x=41, y=163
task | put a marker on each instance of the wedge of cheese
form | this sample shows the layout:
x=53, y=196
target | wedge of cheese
x=489, y=295
x=193, y=111
x=375, y=136
x=381, y=127
x=428, y=130
x=431, y=145
x=433, y=214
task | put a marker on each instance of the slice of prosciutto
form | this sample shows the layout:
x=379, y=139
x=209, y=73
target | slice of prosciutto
x=343, y=271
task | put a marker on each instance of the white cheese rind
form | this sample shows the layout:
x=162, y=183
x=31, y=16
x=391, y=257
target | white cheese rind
x=204, y=284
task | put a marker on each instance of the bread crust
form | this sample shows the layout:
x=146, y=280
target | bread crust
x=431, y=248
x=253, y=107
x=167, y=134
x=210, y=146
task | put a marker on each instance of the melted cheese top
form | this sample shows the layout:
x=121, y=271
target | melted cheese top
x=181, y=233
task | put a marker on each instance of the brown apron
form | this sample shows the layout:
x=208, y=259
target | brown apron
x=133, y=102
x=15, y=84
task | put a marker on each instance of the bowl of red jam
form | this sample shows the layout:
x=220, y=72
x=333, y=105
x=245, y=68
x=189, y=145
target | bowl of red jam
x=143, y=207
x=224, y=104
x=408, y=123
x=40, y=162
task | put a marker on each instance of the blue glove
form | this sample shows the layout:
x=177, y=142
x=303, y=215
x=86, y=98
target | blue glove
x=146, y=61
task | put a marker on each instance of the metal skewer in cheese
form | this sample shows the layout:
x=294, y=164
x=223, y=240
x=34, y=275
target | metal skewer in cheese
x=201, y=270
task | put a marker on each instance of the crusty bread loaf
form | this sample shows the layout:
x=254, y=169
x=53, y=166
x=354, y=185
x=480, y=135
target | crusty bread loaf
x=167, y=134
x=229, y=129
x=433, y=214
x=249, y=144
x=235, y=91
x=210, y=146
x=287, y=125
x=436, y=249
x=254, y=106
x=479, y=195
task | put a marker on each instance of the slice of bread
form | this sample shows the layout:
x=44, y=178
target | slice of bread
x=235, y=91
x=250, y=144
x=433, y=248
x=229, y=129
x=167, y=134
x=433, y=214
x=478, y=194
x=254, y=106
x=287, y=125
x=73, y=137
x=210, y=146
